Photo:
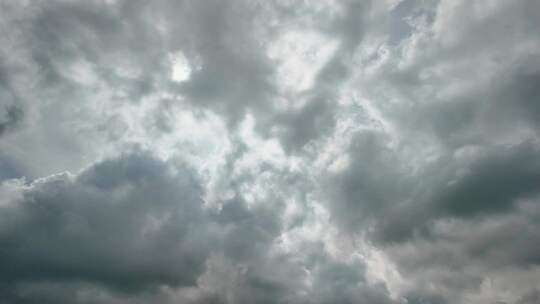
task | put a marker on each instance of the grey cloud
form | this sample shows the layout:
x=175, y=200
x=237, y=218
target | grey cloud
x=373, y=183
x=482, y=58
x=338, y=283
x=316, y=118
x=465, y=255
x=230, y=73
x=123, y=229
x=350, y=29
x=12, y=111
x=10, y=168
x=225, y=45
x=281, y=279
x=442, y=170
x=521, y=94
x=62, y=33
x=532, y=297
x=418, y=297
x=124, y=223
x=507, y=105
x=493, y=183
x=250, y=232
x=511, y=241
x=120, y=231
x=11, y=118
x=379, y=188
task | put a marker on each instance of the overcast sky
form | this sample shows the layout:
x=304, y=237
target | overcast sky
x=285, y=151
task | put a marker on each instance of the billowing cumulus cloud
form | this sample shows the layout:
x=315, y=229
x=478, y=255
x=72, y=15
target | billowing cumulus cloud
x=336, y=151
x=88, y=227
x=135, y=228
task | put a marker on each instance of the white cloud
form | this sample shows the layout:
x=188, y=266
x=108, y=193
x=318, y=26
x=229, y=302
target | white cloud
x=300, y=55
x=180, y=67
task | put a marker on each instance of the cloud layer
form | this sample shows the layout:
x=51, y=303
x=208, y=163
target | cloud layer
x=337, y=151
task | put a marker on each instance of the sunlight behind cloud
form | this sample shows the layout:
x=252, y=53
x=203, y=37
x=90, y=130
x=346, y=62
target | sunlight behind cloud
x=180, y=67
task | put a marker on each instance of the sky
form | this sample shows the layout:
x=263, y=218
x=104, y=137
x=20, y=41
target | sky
x=256, y=151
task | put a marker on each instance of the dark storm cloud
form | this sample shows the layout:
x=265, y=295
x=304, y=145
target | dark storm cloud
x=125, y=228
x=493, y=183
x=126, y=223
x=378, y=187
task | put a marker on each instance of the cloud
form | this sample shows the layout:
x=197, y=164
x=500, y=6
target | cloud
x=11, y=119
x=130, y=228
x=457, y=144
x=465, y=143
x=129, y=225
x=485, y=259
x=332, y=151
x=126, y=223
x=10, y=168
